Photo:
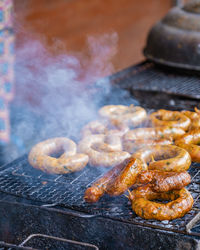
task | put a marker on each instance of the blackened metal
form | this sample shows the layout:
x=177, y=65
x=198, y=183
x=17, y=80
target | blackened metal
x=106, y=233
x=43, y=241
x=20, y=179
x=147, y=77
x=5, y=246
x=175, y=40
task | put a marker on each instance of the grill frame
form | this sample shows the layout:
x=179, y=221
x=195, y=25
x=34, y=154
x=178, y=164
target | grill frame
x=65, y=191
x=127, y=80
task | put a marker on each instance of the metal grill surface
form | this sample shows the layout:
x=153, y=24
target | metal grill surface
x=148, y=77
x=20, y=179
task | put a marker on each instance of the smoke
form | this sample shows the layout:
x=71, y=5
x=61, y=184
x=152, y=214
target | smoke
x=57, y=95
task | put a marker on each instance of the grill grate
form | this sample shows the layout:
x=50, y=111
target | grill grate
x=20, y=179
x=148, y=77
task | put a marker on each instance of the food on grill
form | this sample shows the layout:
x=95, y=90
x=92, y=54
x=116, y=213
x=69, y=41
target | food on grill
x=164, y=181
x=170, y=118
x=125, y=178
x=141, y=137
x=144, y=206
x=93, y=193
x=156, y=133
x=103, y=127
x=190, y=142
x=132, y=146
x=103, y=150
x=120, y=114
x=41, y=156
x=194, y=117
x=165, y=158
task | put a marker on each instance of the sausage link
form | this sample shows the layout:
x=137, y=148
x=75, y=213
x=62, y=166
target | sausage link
x=164, y=181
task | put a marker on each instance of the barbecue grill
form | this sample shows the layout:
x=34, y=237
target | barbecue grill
x=40, y=210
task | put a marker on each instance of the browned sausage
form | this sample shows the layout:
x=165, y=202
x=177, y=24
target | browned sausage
x=190, y=142
x=194, y=117
x=170, y=119
x=167, y=158
x=93, y=193
x=142, y=204
x=164, y=181
x=125, y=179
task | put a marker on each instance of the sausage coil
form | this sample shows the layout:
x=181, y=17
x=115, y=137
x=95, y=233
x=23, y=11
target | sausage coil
x=190, y=142
x=169, y=118
x=120, y=114
x=103, y=150
x=141, y=198
x=40, y=156
x=166, y=158
x=103, y=127
x=194, y=117
x=164, y=181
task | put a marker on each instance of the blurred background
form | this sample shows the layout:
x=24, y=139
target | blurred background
x=62, y=47
x=71, y=21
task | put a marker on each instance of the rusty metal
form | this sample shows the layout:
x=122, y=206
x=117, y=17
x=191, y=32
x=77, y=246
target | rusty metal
x=175, y=40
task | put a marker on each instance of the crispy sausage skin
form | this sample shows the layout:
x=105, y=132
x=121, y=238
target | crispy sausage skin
x=70, y=161
x=142, y=204
x=190, y=142
x=170, y=118
x=168, y=158
x=194, y=117
x=164, y=181
x=125, y=179
x=93, y=193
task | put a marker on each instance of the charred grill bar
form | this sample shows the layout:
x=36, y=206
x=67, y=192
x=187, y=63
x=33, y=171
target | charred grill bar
x=52, y=205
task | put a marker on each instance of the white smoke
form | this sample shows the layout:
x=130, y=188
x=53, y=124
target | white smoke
x=55, y=94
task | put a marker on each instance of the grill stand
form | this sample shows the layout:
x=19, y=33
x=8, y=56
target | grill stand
x=24, y=219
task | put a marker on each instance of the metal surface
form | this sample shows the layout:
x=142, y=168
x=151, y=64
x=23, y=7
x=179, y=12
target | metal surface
x=20, y=179
x=42, y=241
x=54, y=205
x=175, y=40
x=147, y=77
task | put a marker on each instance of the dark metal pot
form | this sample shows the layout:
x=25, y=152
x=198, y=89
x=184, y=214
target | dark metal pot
x=175, y=40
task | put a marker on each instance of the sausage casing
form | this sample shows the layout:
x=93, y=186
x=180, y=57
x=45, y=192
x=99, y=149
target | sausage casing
x=164, y=181
x=143, y=205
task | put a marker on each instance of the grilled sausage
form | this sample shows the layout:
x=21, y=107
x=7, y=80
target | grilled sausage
x=156, y=133
x=103, y=127
x=164, y=181
x=103, y=150
x=132, y=146
x=190, y=142
x=142, y=204
x=125, y=179
x=194, y=117
x=120, y=114
x=40, y=156
x=93, y=193
x=169, y=118
x=166, y=158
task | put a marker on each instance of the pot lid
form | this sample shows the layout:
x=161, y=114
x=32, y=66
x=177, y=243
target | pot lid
x=193, y=6
x=175, y=40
